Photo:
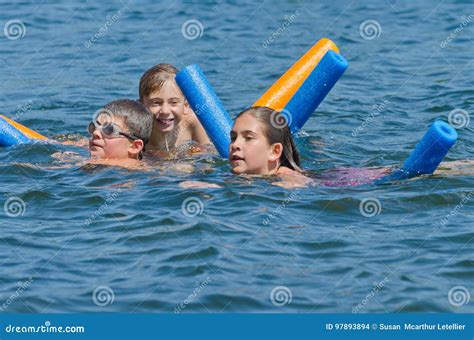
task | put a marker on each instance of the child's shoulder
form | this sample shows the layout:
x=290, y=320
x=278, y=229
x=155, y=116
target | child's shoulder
x=292, y=179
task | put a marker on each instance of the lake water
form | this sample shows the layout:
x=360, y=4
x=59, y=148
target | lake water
x=98, y=239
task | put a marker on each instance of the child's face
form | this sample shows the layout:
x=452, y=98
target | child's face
x=167, y=105
x=250, y=151
x=102, y=146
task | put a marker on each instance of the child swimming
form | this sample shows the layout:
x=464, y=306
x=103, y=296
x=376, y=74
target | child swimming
x=119, y=132
x=174, y=122
x=261, y=146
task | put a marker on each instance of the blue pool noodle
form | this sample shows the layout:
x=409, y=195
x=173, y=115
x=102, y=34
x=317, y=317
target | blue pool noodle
x=208, y=108
x=428, y=153
x=10, y=136
x=315, y=88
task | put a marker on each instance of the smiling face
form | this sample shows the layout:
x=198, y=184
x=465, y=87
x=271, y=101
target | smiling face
x=250, y=151
x=106, y=147
x=167, y=105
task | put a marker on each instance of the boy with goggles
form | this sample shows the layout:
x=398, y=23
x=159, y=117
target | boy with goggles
x=120, y=130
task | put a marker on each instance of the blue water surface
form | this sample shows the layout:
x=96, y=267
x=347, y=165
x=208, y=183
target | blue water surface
x=99, y=239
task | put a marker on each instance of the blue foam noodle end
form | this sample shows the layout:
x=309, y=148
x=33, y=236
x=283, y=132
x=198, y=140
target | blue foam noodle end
x=428, y=153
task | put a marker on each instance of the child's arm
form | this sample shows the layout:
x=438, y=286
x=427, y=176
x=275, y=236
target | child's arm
x=198, y=134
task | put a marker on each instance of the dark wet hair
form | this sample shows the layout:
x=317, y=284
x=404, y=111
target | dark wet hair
x=275, y=129
x=136, y=117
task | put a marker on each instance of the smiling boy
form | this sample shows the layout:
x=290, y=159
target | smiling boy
x=174, y=121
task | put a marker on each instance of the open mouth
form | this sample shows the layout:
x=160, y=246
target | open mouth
x=236, y=158
x=165, y=122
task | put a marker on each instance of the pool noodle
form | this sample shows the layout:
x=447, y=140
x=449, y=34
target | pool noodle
x=10, y=135
x=208, y=108
x=26, y=131
x=314, y=89
x=428, y=153
x=280, y=93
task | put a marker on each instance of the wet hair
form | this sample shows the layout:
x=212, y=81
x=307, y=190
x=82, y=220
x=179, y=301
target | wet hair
x=275, y=129
x=154, y=78
x=136, y=117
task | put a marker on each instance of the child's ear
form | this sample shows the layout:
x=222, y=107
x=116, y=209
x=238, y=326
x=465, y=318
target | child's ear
x=277, y=150
x=136, y=148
